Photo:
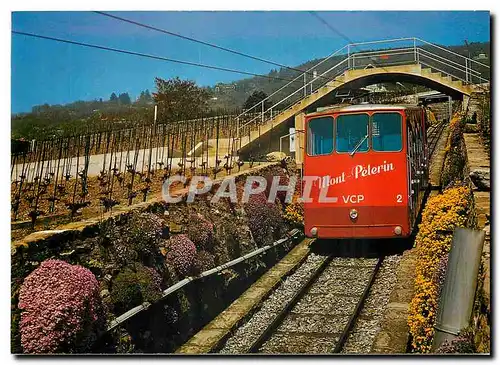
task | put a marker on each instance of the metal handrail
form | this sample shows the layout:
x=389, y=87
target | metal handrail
x=465, y=70
x=382, y=41
x=291, y=82
x=457, y=54
x=458, y=78
x=394, y=63
x=299, y=90
x=309, y=83
x=419, y=40
x=384, y=51
x=447, y=61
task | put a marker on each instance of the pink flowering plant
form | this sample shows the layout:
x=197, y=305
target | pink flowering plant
x=181, y=253
x=264, y=218
x=61, y=308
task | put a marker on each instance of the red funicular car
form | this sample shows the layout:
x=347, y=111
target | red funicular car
x=369, y=167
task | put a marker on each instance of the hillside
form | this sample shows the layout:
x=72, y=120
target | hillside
x=49, y=120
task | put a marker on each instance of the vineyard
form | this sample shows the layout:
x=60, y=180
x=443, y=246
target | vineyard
x=91, y=173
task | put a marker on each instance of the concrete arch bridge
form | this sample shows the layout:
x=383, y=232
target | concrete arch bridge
x=354, y=66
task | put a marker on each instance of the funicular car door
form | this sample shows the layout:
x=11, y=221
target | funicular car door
x=412, y=168
x=420, y=185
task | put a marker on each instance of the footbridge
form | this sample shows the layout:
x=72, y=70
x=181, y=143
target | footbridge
x=354, y=66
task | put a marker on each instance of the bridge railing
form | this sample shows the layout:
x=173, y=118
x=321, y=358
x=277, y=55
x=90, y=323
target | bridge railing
x=281, y=106
x=392, y=52
x=269, y=107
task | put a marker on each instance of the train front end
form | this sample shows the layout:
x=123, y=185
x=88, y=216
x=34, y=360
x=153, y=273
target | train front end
x=355, y=170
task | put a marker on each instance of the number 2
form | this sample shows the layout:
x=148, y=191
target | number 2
x=399, y=198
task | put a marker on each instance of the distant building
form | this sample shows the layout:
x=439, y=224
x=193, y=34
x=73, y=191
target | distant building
x=219, y=88
x=481, y=56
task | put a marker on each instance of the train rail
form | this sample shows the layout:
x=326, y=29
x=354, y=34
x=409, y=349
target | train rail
x=433, y=135
x=317, y=317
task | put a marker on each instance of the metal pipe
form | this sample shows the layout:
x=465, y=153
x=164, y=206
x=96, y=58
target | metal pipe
x=305, y=82
x=382, y=41
x=444, y=72
x=348, y=56
x=415, y=49
x=385, y=51
x=457, y=296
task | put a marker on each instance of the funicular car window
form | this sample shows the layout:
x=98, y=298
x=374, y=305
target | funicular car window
x=386, y=132
x=352, y=133
x=320, y=136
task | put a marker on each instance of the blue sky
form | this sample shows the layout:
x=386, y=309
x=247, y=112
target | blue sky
x=49, y=72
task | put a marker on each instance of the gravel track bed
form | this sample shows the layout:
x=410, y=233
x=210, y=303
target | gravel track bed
x=283, y=343
x=246, y=334
x=342, y=280
x=356, y=262
x=312, y=323
x=361, y=338
x=332, y=304
x=315, y=323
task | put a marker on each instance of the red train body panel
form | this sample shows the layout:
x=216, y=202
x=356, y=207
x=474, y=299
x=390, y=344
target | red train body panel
x=367, y=186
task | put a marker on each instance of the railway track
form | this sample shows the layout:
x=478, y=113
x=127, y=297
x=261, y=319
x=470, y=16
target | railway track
x=313, y=311
x=433, y=134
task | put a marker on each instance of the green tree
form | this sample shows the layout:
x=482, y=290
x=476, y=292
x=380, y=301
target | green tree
x=113, y=98
x=145, y=98
x=180, y=99
x=256, y=98
x=124, y=99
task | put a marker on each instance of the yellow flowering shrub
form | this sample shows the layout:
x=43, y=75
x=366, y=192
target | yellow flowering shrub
x=455, y=160
x=294, y=213
x=440, y=216
x=431, y=117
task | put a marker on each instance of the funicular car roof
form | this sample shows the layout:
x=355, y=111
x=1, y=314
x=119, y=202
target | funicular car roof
x=362, y=108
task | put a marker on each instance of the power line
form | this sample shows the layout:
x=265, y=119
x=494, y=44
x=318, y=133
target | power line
x=202, y=42
x=338, y=32
x=117, y=50
x=346, y=38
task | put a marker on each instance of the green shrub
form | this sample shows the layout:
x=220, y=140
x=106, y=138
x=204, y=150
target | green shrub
x=203, y=261
x=201, y=231
x=133, y=286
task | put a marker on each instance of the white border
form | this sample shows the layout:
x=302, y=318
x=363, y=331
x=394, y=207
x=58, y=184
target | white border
x=5, y=20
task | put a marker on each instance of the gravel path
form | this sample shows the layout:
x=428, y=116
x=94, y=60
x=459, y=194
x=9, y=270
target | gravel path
x=369, y=321
x=250, y=331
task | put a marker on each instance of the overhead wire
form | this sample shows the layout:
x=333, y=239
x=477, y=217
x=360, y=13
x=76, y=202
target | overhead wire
x=239, y=53
x=161, y=58
x=339, y=33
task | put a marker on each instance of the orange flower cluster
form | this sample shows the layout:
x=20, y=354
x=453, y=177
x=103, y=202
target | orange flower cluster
x=442, y=214
x=294, y=212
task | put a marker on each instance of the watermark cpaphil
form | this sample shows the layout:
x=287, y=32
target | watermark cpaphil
x=227, y=188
